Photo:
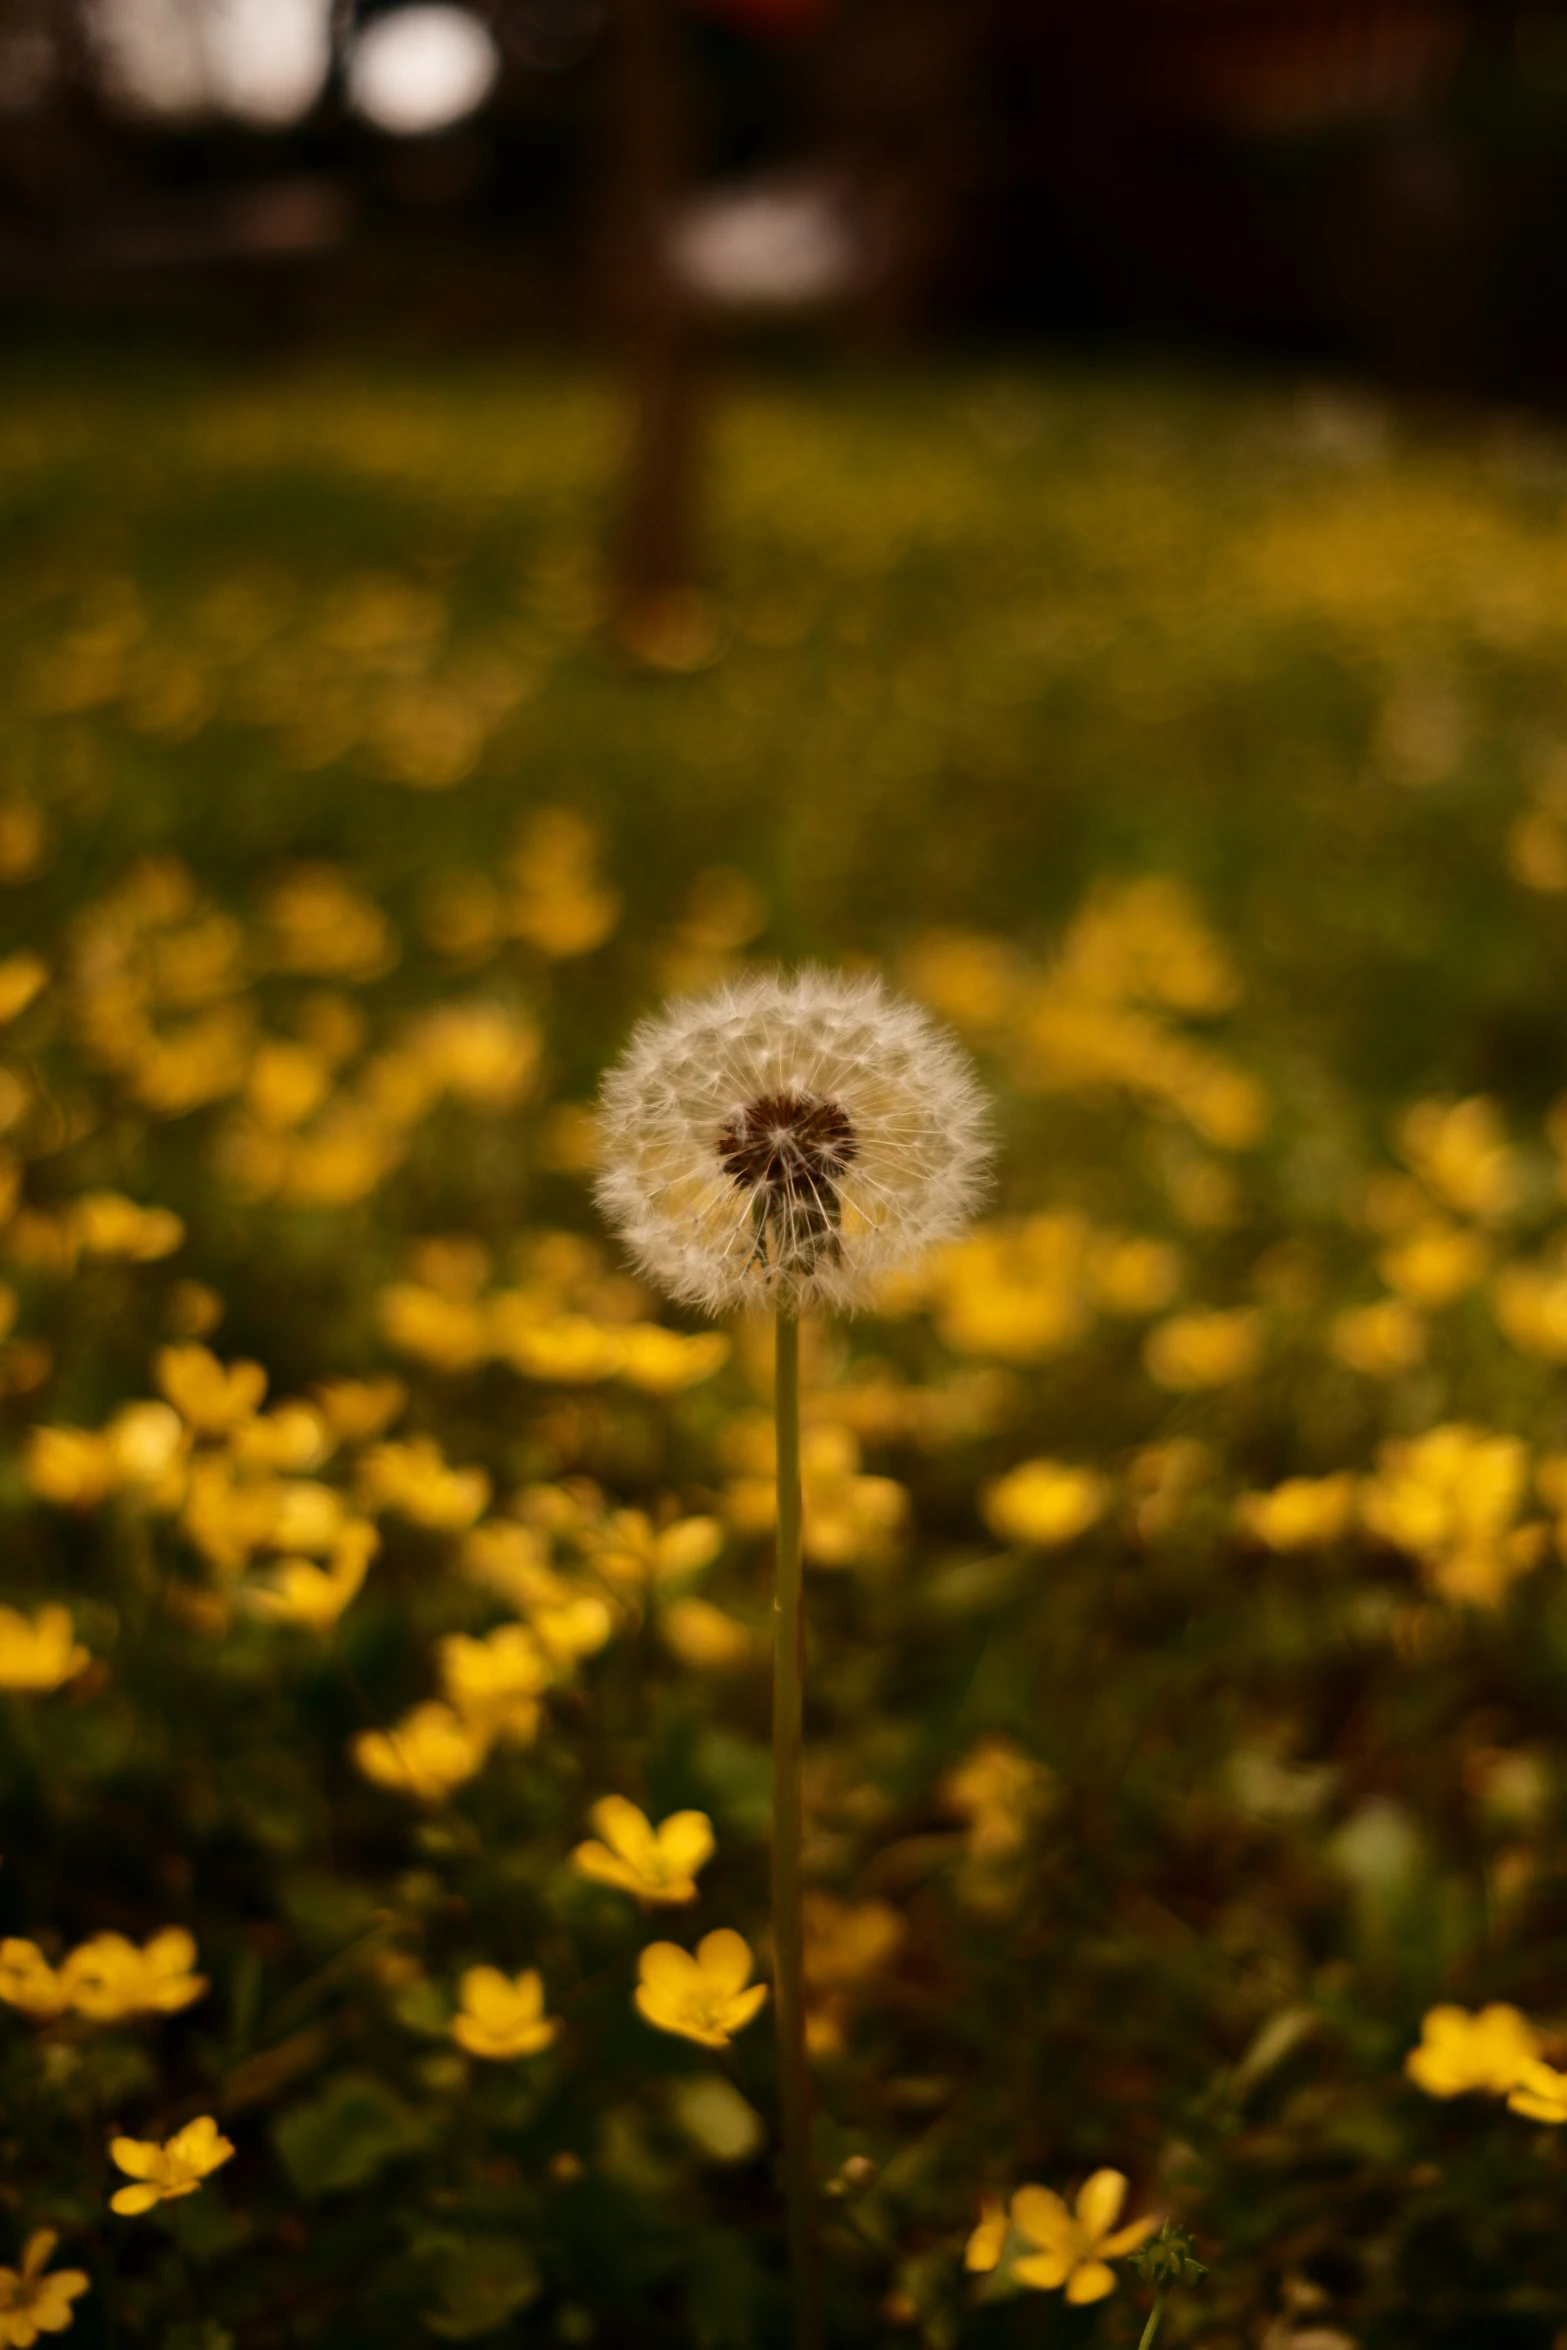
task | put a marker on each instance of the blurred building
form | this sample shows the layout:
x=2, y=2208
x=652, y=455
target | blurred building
x=1380, y=183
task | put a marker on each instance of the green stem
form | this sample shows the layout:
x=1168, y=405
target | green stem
x=1152, y=2327
x=794, y=2080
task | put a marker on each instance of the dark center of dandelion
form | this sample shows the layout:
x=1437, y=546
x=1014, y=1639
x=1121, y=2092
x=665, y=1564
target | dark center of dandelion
x=791, y=1151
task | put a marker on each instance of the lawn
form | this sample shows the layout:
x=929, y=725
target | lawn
x=1185, y=1545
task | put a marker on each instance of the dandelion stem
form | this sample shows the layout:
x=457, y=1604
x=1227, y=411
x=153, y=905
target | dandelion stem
x=1151, y=2329
x=794, y=2083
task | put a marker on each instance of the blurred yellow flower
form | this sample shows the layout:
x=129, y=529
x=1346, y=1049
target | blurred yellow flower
x=1378, y=1340
x=1044, y=1503
x=984, y=2247
x=210, y=1396
x=1074, y=2246
x=22, y=977
x=357, y=1409
x=1459, y=2051
x=656, y=1864
x=557, y=900
x=287, y=1082
x=495, y=1683
x=627, y=1550
x=1300, y=1513
x=33, y=2302
x=663, y=1362
x=173, y=2169
x=110, y=1978
x=415, y=1480
x=69, y=1466
x=1000, y=1791
x=1530, y=1304
x=1204, y=1349
x=703, y=1636
x=110, y=1225
x=1540, y=2093
x=572, y=1628
x=702, y=1998
x=1449, y=1498
x=850, y=1519
x=29, y=1982
x=502, y=2016
x=148, y=1443
x=1459, y=1151
x=1437, y=1263
x=430, y=1751
x=300, y=1592
x=450, y=1332
x=41, y=1652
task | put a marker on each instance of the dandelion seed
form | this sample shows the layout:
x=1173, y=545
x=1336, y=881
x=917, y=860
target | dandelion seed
x=787, y=1139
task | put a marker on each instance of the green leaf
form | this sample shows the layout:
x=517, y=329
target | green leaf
x=486, y=2278
x=342, y=2137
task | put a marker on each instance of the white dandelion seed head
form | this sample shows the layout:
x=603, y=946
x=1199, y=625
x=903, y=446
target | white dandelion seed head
x=787, y=1139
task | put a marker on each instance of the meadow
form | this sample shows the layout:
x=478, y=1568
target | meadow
x=1185, y=1546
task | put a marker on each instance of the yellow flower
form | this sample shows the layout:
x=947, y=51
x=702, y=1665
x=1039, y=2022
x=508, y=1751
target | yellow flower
x=110, y=1978
x=1000, y=1791
x=1530, y=1305
x=569, y=1350
x=41, y=1653
x=300, y=1592
x=21, y=977
x=1458, y=1149
x=210, y=1396
x=495, y=1683
x=1459, y=2051
x=1043, y=1503
x=1449, y=1498
x=1300, y=1513
x=29, y=1982
x=164, y=2172
x=983, y=2250
x=70, y=1466
x=1437, y=1263
x=1076, y=2246
x=431, y=1751
x=32, y=2303
x=1203, y=1349
x=357, y=1409
x=1378, y=1340
x=702, y=1636
x=416, y=1481
x=662, y=1362
x=503, y=2017
x=702, y=1998
x=1540, y=2094
x=657, y=1864
x=110, y=1225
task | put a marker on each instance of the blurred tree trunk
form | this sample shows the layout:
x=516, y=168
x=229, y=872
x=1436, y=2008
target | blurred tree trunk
x=653, y=563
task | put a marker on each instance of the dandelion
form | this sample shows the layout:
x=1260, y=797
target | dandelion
x=33, y=2302
x=503, y=2017
x=785, y=1142
x=656, y=1864
x=787, y=1139
x=702, y=1998
x=165, y=2172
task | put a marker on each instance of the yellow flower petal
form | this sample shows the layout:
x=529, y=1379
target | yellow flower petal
x=725, y=1959
x=1091, y=2282
x=1099, y=2203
